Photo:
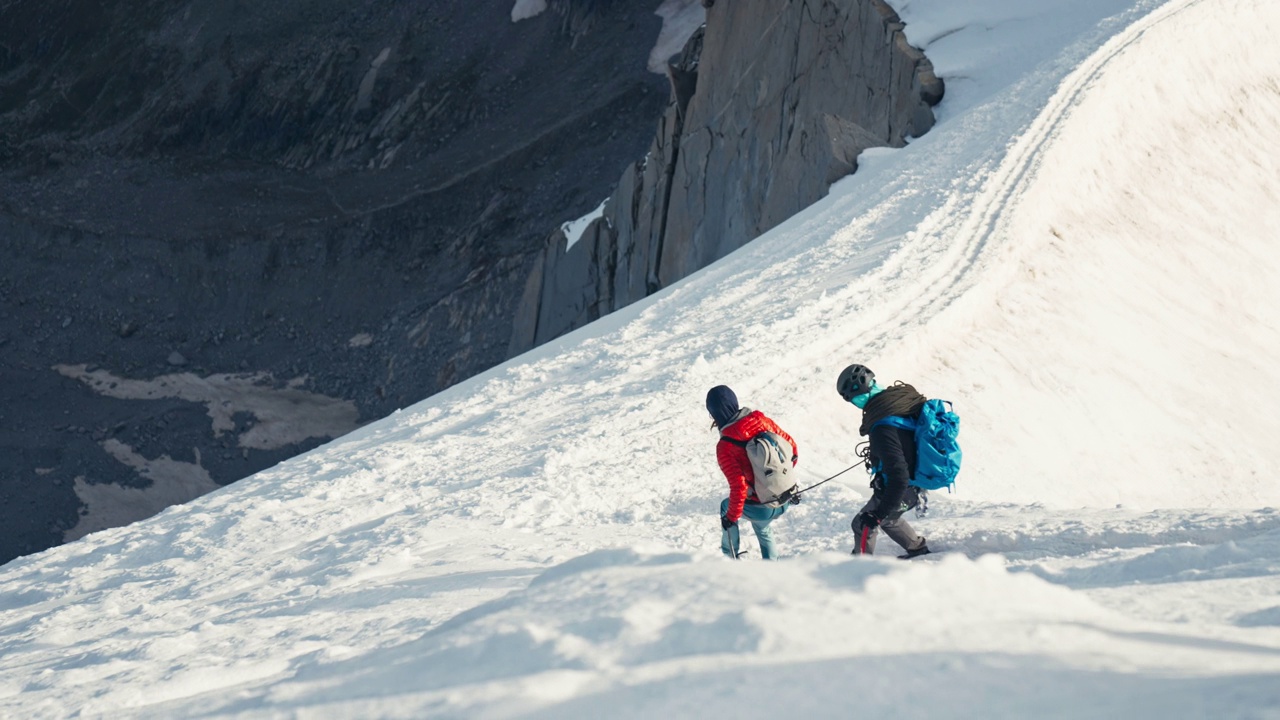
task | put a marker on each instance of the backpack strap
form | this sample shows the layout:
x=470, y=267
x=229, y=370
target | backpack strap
x=895, y=421
x=739, y=443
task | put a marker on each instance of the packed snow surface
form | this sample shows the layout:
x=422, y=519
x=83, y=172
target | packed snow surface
x=1080, y=255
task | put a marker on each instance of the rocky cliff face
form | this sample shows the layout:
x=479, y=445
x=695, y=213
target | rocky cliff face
x=230, y=231
x=768, y=107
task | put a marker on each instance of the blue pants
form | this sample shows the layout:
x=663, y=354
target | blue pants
x=760, y=516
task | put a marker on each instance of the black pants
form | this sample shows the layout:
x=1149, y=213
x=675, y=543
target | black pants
x=898, y=529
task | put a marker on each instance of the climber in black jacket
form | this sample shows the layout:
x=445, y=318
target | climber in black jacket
x=891, y=458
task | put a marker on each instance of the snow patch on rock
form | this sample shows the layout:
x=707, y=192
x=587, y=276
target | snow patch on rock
x=680, y=18
x=574, y=229
x=525, y=9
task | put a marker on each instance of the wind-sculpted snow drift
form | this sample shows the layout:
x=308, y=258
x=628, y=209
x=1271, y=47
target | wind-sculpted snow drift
x=1079, y=255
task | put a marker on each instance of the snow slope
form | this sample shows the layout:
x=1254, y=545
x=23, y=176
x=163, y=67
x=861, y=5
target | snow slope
x=1080, y=255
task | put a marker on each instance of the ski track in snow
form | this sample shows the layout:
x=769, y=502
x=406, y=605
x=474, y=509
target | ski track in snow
x=541, y=540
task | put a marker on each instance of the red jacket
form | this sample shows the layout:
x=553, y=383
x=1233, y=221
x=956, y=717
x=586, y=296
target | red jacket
x=734, y=462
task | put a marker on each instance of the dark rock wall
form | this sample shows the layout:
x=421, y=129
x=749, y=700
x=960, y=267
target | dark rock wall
x=339, y=197
x=768, y=107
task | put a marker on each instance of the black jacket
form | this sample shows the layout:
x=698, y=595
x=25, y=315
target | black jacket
x=892, y=449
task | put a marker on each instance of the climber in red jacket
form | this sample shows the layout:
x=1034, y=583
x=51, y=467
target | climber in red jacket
x=738, y=425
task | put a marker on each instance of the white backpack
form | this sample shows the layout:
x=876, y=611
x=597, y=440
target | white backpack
x=770, y=456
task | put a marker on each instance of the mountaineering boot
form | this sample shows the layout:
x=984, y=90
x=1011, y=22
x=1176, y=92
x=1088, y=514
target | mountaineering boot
x=922, y=550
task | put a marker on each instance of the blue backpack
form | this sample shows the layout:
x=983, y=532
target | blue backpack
x=937, y=450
